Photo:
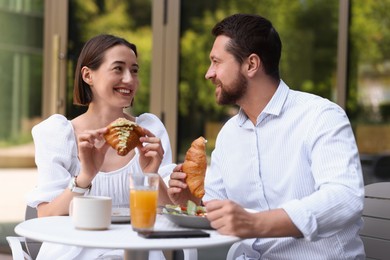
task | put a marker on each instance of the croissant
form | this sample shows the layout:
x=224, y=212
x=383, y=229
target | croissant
x=123, y=135
x=195, y=165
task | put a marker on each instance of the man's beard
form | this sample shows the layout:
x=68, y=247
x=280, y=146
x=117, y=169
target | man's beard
x=235, y=91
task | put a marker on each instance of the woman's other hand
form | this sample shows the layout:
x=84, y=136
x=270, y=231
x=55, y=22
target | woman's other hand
x=151, y=154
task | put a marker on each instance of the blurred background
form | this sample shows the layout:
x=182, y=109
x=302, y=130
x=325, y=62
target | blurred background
x=338, y=49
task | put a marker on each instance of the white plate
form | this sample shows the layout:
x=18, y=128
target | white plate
x=193, y=221
x=189, y=221
x=120, y=215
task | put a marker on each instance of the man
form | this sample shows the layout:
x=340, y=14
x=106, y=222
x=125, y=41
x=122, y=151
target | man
x=289, y=155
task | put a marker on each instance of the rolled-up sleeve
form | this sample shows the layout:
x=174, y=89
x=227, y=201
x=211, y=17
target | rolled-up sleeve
x=335, y=165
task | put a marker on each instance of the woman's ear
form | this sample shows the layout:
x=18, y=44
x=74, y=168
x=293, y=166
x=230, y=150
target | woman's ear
x=86, y=74
x=254, y=64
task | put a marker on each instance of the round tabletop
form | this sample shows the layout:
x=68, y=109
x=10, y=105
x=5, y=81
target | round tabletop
x=59, y=229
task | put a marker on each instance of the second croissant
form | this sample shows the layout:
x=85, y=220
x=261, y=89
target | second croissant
x=195, y=166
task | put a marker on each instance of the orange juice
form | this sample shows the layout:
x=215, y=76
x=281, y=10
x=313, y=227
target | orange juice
x=143, y=207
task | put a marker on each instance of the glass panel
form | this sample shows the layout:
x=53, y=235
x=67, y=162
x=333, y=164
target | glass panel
x=21, y=67
x=369, y=85
x=308, y=30
x=128, y=19
x=21, y=44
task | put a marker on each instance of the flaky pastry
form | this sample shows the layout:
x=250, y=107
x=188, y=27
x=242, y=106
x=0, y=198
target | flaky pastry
x=195, y=165
x=123, y=135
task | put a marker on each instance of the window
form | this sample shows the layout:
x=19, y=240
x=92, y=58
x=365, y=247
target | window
x=21, y=59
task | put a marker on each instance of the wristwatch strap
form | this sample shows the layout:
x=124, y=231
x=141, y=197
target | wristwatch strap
x=74, y=188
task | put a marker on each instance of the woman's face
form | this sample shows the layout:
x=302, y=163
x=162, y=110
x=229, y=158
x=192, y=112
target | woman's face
x=116, y=81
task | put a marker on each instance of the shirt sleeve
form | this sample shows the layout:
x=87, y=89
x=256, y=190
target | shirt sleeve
x=154, y=125
x=335, y=166
x=55, y=157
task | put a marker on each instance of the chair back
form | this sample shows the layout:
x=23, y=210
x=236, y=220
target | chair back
x=382, y=166
x=32, y=246
x=376, y=215
x=235, y=251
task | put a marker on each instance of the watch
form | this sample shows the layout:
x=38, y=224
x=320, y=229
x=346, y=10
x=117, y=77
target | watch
x=74, y=188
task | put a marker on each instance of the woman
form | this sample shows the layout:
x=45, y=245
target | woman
x=72, y=156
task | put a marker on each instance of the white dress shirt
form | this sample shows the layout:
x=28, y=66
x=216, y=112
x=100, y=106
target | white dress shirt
x=300, y=156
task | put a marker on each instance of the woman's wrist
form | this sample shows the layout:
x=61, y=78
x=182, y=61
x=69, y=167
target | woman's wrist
x=83, y=182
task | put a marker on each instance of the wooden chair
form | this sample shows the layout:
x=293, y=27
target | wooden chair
x=376, y=214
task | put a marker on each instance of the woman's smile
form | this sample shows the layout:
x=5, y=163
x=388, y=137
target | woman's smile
x=123, y=91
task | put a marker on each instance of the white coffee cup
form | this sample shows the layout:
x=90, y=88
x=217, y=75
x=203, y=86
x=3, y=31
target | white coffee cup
x=91, y=212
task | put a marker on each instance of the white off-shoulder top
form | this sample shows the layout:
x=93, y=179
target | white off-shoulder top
x=56, y=157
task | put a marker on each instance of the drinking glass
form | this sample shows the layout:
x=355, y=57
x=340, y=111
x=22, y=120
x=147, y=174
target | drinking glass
x=143, y=200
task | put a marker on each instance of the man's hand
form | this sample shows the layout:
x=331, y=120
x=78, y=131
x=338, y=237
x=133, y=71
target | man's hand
x=229, y=218
x=178, y=190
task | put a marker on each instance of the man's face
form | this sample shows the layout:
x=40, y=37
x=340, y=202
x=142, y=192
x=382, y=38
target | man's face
x=224, y=72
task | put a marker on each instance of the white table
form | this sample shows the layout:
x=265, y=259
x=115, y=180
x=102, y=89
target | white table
x=60, y=229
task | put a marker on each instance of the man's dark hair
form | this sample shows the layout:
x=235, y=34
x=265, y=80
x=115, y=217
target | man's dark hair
x=252, y=34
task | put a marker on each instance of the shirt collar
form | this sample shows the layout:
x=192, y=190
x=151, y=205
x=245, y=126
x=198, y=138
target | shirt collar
x=274, y=106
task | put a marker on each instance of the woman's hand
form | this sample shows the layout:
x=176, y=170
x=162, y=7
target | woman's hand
x=92, y=150
x=152, y=154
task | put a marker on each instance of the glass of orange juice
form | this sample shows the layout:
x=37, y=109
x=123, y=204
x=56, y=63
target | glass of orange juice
x=143, y=200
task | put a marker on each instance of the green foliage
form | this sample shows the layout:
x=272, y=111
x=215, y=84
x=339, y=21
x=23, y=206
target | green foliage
x=370, y=29
x=369, y=54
